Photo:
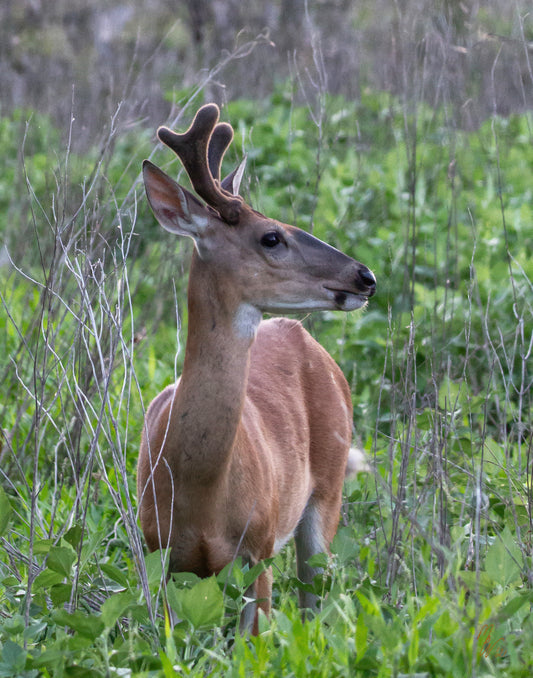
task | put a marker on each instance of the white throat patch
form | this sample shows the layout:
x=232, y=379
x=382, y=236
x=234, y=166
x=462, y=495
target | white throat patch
x=246, y=321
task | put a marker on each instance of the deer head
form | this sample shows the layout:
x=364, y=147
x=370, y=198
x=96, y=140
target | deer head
x=269, y=265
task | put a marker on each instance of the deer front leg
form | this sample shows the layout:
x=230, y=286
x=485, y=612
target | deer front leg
x=260, y=595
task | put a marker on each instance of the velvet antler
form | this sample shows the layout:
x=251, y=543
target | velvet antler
x=201, y=149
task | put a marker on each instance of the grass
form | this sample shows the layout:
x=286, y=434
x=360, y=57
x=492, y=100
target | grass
x=431, y=569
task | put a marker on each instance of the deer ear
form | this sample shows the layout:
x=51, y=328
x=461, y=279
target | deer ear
x=232, y=182
x=177, y=210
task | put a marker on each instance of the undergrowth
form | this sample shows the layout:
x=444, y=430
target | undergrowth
x=431, y=569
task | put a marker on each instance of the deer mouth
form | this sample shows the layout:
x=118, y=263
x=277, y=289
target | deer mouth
x=347, y=300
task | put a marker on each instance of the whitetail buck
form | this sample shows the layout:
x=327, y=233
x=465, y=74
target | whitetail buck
x=250, y=447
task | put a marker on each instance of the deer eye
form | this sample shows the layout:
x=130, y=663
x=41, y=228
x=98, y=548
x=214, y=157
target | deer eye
x=271, y=239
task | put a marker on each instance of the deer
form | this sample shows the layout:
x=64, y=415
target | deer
x=250, y=447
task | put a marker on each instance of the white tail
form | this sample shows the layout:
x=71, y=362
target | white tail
x=250, y=447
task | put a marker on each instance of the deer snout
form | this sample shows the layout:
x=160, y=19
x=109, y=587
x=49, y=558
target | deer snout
x=366, y=279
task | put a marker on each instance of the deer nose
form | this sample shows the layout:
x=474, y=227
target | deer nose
x=368, y=279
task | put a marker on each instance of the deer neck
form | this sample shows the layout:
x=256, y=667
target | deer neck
x=207, y=409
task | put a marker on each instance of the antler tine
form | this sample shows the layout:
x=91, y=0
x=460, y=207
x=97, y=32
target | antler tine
x=192, y=147
x=221, y=138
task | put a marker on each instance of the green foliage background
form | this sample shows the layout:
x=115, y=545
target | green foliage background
x=431, y=569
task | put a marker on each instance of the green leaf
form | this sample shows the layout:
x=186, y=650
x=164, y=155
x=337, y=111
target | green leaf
x=343, y=547
x=115, y=607
x=166, y=665
x=89, y=548
x=412, y=653
x=48, y=578
x=471, y=582
x=14, y=625
x=500, y=561
x=361, y=636
x=60, y=594
x=5, y=511
x=13, y=659
x=319, y=560
x=185, y=579
x=232, y=576
x=202, y=605
x=73, y=536
x=369, y=605
x=87, y=626
x=53, y=659
x=60, y=559
x=115, y=574
x=174, y=597
x=36, y=630
x=154, y=567
x=42, y=546
x=512, y=607
x=251, y=575
x=139, y=612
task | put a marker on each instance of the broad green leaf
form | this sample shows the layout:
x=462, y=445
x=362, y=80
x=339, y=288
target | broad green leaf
x=471, y=581
x=202, y=605
x=73, y=536
x=36, y=630
x=154, y=567
x=114, y=573
x=319, y=560
x=512, y=607
x=60, y=593
x=251, y=575
x=60, y=559
x=14, y=625
x=344, y=547
x=116, y=606
x=52, y=658
x=88, y=626
x=42, y=546
x=139, y=612
x=89, y=548
x=185, y=579
x=13, y=658
x=500, y=562
x=232, y=575
x=48, y=578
